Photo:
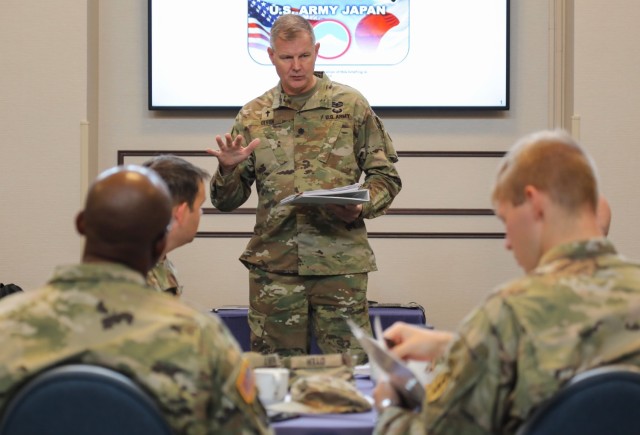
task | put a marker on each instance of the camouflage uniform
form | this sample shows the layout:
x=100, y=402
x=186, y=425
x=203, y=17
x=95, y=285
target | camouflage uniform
x=164, y=278
x=103, y=314
x=579, y=309
x=321, y=140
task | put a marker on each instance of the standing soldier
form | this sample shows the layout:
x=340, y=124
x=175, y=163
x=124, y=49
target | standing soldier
x=308, y=266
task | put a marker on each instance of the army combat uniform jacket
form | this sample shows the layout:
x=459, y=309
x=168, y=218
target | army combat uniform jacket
x=164, y=278
x=103, y=314
x=327, y=143
x=579, y=309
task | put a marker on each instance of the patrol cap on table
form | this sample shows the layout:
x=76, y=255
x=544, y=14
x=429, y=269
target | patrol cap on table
x=328, y=394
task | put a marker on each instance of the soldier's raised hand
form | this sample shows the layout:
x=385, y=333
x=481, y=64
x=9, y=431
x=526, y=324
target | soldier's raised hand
x=232, y=152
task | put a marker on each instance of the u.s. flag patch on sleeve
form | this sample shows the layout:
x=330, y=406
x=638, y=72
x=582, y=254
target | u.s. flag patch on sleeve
x=246, y=383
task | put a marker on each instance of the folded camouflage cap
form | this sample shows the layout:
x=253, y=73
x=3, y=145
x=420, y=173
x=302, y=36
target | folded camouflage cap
x=328, y=394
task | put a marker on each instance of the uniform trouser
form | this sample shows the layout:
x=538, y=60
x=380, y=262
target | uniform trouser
x=284, y=309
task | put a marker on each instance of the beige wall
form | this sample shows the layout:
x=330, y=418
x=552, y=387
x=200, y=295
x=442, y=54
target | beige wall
x=43, y=101
x=80, y=61
x=607, y=102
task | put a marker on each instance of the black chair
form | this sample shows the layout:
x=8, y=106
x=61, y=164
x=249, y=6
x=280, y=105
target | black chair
x=82, y=399
x=604, y=400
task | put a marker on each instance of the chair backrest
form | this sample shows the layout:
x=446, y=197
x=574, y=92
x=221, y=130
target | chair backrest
x=604, y=400
x=82, y=399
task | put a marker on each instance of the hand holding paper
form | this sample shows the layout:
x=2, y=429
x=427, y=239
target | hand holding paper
x=352, y=194
x=404, y=381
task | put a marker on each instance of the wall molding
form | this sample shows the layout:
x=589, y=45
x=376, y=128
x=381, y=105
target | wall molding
x=371, y=235
x=467, y=154
x=391, y=211
x=123, y=154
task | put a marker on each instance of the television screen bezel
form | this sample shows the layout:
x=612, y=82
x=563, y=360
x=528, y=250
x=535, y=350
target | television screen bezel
x=499, y=108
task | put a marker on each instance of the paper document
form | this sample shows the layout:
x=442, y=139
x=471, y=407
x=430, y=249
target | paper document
x=352, y=194
x=390, y=368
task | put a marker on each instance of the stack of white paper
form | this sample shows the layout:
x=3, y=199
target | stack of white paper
x=352, y=194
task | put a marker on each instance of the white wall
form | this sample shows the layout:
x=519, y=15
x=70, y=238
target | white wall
x=43, y=100
x=47, y=60
x=607, y=97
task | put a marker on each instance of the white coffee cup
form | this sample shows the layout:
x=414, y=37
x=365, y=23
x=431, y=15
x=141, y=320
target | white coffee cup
x=272, y=383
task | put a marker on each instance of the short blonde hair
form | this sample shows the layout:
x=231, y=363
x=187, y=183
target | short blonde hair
x=552, y=162
x=289, y=26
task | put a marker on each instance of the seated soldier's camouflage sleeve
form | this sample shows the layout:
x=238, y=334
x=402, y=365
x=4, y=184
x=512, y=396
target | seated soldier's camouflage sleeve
x=471, y=395
x=474, y=395
x=163, y=278
x=395, y=420
x=234, y=404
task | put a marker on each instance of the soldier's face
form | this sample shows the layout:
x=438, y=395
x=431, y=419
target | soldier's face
x=192, y=219
x=522, y=232
x=295, y=62
x=186, y=221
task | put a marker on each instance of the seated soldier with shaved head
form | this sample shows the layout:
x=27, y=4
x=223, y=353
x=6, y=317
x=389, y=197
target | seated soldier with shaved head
x=101, y=312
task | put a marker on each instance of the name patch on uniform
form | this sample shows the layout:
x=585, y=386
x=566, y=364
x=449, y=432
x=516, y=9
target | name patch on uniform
x=340, y=116
x=246, y=383
x=437, y=386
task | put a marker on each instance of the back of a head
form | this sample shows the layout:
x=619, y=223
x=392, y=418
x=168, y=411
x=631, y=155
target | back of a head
x=603, y=215
x=127, y=210
x=552, y=162
x=182, y=177
x=289, y=26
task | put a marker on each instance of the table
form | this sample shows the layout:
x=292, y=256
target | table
x=361, y=423
x=235, y=317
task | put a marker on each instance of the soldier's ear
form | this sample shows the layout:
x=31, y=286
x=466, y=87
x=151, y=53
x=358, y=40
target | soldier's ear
x=80, y=223
x=159, y=245
x=179, y=212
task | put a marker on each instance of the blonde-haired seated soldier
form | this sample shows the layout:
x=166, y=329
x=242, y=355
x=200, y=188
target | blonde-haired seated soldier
x=101, y=312
x=577, y=306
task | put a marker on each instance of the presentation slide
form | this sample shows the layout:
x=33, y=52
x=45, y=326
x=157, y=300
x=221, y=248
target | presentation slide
x=398, y=53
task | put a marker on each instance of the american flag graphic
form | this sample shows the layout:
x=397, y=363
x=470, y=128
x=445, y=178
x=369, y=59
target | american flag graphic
x=259, y=24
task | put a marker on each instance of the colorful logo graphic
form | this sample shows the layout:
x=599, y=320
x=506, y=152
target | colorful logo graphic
x=334, y=38
x=373, y=32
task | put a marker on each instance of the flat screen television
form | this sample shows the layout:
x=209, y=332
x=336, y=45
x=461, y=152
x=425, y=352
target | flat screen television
x=422, y=54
